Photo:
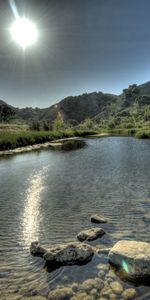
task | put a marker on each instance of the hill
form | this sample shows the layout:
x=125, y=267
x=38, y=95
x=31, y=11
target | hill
x=133, y=103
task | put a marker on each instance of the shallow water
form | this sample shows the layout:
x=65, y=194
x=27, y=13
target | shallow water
x=49, y=196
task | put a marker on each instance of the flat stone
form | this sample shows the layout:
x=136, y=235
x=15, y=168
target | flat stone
x=133, y=258
x=98, y=219
x=64, y=254
x=90, y=234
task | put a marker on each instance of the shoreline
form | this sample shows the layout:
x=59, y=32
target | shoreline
x=58, y=142
x=39, y=146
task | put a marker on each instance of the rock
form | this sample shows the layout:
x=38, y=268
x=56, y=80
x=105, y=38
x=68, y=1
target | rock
x=36, y=249
x=81, y=296
x=5, y=296
x=75, y=287
x=111, y=274
x=116, y=287
x=94, y=293
x=100, y=250
x=64, y=293
x=90, y=234
x=98, y=219
x=102, y=266
x=64, y=254
x=129, y=294
x=92, y=283
x=101, y=274
x=34, y=298
x=133, y=258
x=106, y=291
x=112, y=297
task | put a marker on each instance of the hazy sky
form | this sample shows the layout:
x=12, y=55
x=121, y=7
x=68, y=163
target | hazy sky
x=83, y=46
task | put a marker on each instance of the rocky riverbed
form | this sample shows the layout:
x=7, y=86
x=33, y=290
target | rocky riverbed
x=131, y=259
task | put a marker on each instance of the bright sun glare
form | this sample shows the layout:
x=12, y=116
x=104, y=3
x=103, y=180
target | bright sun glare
x=24, y=32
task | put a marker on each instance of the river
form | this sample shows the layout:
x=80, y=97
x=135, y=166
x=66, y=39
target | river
x=50, y=195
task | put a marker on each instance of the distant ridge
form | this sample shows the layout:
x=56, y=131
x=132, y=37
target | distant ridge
x=75, y=109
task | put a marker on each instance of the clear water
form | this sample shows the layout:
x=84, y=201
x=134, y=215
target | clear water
x=50, y=195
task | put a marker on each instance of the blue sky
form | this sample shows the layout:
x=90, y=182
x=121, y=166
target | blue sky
x=83, y=46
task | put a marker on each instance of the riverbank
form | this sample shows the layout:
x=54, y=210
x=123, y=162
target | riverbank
x=10, y=140
x=57, y=144
x=26, y=141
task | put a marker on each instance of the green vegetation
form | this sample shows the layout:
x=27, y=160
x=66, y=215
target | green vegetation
x=13, y=136
x=11, y=140
x=127, y=114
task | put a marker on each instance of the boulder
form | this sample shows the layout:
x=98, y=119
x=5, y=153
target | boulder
x=98, y=219
x=132, y=258
x=64, y=254
x=90, y=234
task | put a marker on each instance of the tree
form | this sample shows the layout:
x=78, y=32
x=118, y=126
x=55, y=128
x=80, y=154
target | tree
x=87, y=124
x=59, y=124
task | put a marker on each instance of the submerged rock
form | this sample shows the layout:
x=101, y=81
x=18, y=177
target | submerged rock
x=98, y=219
x=92, y=283
x=34, y=298
x=116, y=287
x=64, y=254
x=60, y=294
x=90, y=234
x=101, y=250
x=81, y=296
x=132, y=258
x=129, y=294
x=5, y=296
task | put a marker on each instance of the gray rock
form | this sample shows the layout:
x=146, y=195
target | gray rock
x=90, y=234
x=64, y=254
x=133, y=258
x=98, y=219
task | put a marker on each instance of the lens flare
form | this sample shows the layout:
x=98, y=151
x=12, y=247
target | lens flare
x=125, y=267
x=14, y=8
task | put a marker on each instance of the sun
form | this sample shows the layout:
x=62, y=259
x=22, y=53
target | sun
x=24, y=32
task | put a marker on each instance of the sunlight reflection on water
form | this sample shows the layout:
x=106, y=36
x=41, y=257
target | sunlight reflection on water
x=31, y=216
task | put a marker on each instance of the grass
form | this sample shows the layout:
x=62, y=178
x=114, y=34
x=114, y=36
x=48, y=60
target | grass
x=12, y=140
x=143, y=134
x=12, y=137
